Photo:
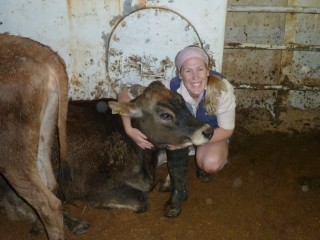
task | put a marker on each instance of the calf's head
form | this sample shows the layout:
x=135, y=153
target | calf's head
x=162, y=116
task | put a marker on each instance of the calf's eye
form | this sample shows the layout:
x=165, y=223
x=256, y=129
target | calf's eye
x=166, y=116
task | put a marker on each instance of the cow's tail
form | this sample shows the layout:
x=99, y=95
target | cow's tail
x=62, y=112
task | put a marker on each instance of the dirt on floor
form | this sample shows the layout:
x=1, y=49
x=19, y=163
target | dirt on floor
x=269, y=190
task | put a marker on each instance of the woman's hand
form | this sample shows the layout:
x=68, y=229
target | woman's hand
x=135, y=134
x=139, y=138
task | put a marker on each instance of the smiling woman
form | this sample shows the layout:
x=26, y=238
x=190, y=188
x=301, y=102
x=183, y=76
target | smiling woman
x=210, y=98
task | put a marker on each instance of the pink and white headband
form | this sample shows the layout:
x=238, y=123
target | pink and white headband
x=190, y=52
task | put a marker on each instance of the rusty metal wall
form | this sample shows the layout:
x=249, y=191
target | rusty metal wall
x=272, y=57
x=268, y=49
x=87, y=35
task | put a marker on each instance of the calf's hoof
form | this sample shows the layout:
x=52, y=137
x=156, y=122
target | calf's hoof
x=141, y=208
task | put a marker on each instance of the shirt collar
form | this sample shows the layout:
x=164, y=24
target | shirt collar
x=185, y=94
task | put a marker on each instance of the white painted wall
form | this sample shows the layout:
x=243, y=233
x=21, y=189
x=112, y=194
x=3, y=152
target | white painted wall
x=79, y=31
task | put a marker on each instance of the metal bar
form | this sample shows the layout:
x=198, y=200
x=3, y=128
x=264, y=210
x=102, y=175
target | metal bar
x=289, y=47
x=276, y=87
x=273, y=9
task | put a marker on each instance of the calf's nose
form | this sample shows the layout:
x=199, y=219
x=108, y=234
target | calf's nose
x=208, y=133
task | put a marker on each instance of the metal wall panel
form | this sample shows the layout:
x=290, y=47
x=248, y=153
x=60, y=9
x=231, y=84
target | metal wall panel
x=268, y=49
x=272, y=52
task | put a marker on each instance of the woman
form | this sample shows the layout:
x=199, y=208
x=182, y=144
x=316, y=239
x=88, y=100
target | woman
x=210, y=98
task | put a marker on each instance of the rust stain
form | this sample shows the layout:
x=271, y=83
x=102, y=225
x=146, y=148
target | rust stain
x=80, y=9
x=133, y=62
x=290, y=30
x=116, y=38
x=69, y=10
x=69, y=4
x=75, y=81
x=142, y=3
x=311, y=81
x=166, y=62
x=99, y=91
x=123, y=24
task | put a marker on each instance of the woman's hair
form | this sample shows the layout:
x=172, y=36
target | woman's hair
x=215, y=87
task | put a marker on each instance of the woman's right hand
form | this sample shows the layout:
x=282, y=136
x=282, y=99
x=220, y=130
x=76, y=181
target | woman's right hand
x=139, y=138
x=135, y=134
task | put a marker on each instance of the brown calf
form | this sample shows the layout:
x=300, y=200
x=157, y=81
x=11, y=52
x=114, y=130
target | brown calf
x=33, y=101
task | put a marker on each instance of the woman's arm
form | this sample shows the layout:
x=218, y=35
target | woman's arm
x=225, y=115
x=221, y=134
x=135, y=134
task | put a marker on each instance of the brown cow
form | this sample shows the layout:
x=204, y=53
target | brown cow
x=33, y=101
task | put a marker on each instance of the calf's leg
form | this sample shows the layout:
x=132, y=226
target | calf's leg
x=120, y=196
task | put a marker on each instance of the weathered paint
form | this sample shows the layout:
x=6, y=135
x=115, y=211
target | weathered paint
x=271, y=50
x=289, y=46
x=152, y=56
x=80, y=31
x=273, y=9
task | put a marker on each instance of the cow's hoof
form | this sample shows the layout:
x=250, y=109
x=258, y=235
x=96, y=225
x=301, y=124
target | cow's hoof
x=74, y=225
x=171, y=210
x=80, y=228
x=37, y=228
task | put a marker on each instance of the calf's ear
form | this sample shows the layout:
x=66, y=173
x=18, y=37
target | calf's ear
x=125, y=109
x=136, y=90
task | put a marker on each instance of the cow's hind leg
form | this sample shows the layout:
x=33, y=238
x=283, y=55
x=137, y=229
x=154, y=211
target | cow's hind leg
x=45, y=203
x=122, y=196
x=17, y=208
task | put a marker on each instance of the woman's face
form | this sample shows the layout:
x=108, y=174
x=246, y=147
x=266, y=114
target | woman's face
x=194, y=74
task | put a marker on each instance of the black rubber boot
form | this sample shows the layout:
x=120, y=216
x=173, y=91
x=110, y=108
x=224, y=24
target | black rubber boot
x=177, y=161
x=204, y=176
